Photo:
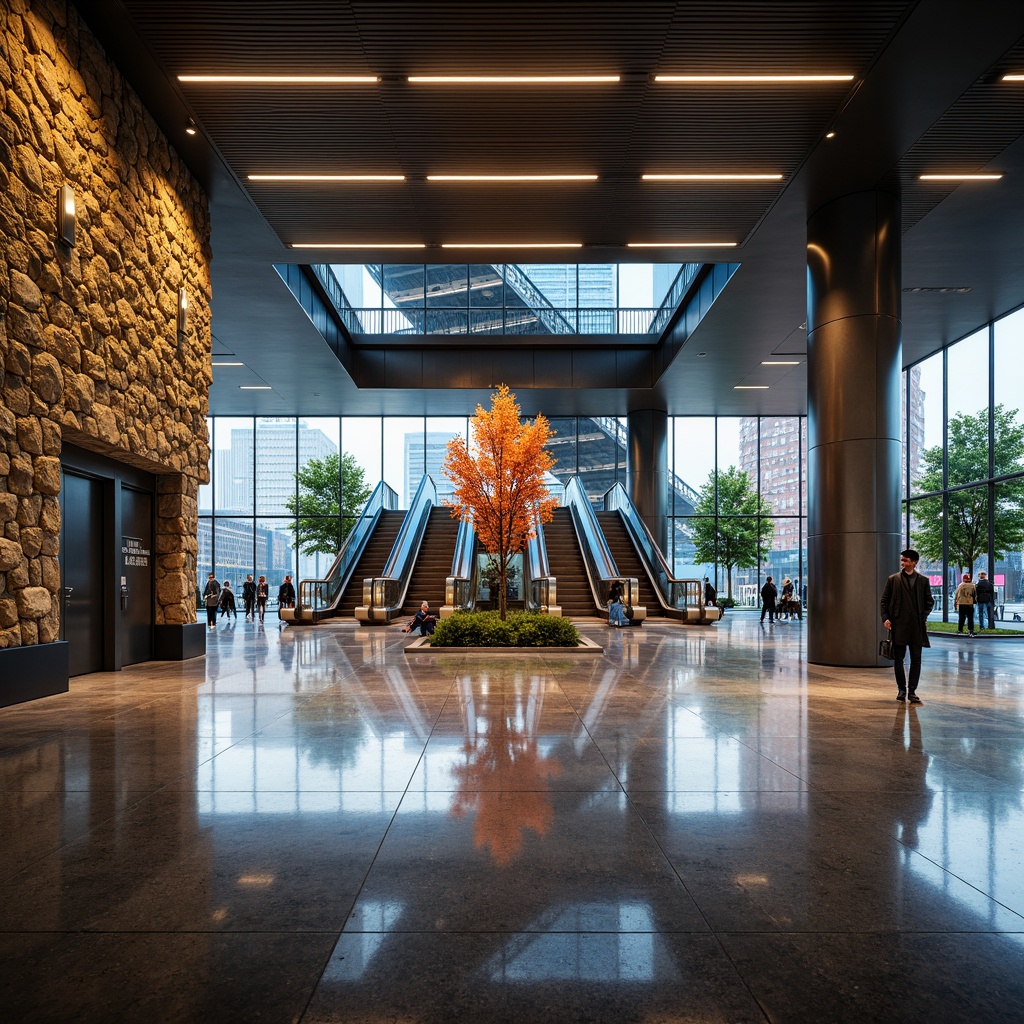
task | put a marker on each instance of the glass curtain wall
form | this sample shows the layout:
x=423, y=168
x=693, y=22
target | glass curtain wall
x=964, y=482
x=284, y=492
x=738, y=502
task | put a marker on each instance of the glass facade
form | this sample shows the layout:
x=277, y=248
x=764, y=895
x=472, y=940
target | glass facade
x=964, y=494
x=507, y=298
x=283, y=491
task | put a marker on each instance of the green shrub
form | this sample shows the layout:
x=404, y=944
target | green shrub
x=520, y=629
x=726, y=602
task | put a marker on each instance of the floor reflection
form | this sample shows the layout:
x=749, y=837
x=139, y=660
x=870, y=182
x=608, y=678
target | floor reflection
x=695, y=825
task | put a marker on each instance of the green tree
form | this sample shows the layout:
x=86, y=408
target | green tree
x=967, y=461
x=741, y=532
x=323, y=515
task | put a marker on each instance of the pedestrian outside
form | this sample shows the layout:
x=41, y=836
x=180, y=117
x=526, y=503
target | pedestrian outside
x=906, y=603
x=985, y=600
x=963, y=602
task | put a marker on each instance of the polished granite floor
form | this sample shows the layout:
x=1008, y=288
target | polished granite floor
x=312, y=825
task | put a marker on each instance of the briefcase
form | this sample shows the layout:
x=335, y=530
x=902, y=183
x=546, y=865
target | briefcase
x=885, y=646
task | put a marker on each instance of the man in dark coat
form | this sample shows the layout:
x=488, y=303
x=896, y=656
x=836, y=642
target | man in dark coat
x=769, y=592
x=985, y=600
x=906, y=602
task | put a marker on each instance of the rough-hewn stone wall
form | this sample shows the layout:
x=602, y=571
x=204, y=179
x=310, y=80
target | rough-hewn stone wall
x=89, y=348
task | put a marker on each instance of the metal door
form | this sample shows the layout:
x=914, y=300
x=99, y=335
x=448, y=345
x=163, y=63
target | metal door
x=82, y=617
x=136, y=576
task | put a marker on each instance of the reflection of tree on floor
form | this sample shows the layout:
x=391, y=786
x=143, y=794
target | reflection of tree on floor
x=504, y=780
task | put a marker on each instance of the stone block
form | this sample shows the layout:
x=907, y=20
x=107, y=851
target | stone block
x=33, y=602
x=10, y=555
x=47, y=474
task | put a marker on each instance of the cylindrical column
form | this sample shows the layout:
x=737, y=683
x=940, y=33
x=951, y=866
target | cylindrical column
x=647, y=469
x=854, y=357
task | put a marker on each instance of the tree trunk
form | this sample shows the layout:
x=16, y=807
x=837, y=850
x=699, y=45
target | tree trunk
x=502, y=584
x=728, y=577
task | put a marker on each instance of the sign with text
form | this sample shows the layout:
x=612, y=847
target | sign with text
x=134, y=553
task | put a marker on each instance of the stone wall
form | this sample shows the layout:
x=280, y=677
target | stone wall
x=89, y=348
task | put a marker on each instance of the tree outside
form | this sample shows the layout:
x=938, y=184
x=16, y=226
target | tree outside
x=332, y=493
x=498, y=479
x=967, y=461
x=736, y=531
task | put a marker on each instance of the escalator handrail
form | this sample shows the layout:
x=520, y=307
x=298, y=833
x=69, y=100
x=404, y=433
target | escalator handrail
x=383, y=498
x=385, y=594
x=597, y=558
x=539, y=589
x=460, y=586
x=655, y=564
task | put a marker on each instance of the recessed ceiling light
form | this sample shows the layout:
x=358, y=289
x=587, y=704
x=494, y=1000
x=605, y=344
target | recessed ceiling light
x=326, y=177
x=1013, y=78
x=190, y=128
x=742, y=79
x=511, y=177
x=511, y=79
x=680, y=245
x=780, y=362
x=282, y=79
x=512, y=245
x=357, y=245
x=226, y=364
x=711, y=177
x=255, y=387
x=750, y=387
x=941, y=290
x=959, y=177
x=830, y=135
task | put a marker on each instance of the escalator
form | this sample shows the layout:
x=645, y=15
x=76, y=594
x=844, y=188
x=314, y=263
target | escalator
x=433, y=564
x=378, y=547
x=628, y=561
x=566, y=565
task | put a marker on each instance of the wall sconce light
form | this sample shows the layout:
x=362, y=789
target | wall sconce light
x=66, y=215
x=182, y=312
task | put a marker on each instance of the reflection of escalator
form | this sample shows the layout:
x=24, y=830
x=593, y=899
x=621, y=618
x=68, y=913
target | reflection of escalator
x=372, y=561
x=566, y=565
x=434, y=562
x=627, y=560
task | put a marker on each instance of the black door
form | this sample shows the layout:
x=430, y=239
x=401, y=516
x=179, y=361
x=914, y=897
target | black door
x=136, y=576
x=82, y=564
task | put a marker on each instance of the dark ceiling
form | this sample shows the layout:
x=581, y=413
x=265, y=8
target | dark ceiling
x=926, y=97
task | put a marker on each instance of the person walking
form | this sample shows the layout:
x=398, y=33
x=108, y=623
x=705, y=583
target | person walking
x=906, y=603
x=262, y=595
x=227, y=602
x=963, y=602
x=786, y=605
x=985, y=596
x=769, y=593
x=249, y=597
x=286, y=594
x=211, y=597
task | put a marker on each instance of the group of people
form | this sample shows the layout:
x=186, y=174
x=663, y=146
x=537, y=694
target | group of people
x=255, y=594
x=968, y=595
x=787, y=606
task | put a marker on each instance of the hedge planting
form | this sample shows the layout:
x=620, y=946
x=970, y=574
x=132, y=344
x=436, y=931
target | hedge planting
x=520, y=629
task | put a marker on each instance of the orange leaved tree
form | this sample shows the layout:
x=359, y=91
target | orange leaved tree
x=499, y=479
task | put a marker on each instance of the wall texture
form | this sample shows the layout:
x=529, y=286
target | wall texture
x=89, y=347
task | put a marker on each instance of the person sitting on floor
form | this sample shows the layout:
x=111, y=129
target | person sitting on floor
x=422, y=620
x=616, y=610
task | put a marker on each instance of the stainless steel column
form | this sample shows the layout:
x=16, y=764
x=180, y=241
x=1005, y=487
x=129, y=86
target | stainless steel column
x=647, y=469
x=854, y=356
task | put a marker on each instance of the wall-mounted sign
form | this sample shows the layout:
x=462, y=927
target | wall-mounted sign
x=134, y=553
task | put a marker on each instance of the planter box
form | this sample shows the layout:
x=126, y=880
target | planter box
x=421, y=645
